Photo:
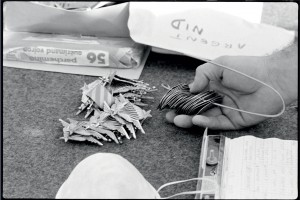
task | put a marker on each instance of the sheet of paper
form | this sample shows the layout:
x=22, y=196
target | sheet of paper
x=260, y=169
x=250, y=11
x=197, y=30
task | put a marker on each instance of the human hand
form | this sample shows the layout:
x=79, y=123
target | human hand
x=278, y=70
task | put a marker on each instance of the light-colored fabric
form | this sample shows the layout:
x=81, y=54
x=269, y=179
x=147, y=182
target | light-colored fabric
x=106, y=176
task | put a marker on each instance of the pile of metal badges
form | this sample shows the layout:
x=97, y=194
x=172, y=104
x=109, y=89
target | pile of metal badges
x=182, y=101
x=105, y=89
x=114, y=103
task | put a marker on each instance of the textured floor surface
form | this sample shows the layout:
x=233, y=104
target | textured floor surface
x=36, y=162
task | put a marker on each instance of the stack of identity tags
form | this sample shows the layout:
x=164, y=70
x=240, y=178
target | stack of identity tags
x=182, y=101
x=114, y=102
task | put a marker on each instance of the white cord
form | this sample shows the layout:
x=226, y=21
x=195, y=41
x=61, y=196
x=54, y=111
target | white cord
x=188, y=192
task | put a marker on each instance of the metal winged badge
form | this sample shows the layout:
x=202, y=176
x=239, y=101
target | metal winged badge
x=107, y=88
x=76, y=131
x=112, y=106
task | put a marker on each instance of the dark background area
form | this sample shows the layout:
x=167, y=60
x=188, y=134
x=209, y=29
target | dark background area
x=36, y=162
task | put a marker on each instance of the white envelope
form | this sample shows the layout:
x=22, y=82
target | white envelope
x=110, y=21
x=206, y=29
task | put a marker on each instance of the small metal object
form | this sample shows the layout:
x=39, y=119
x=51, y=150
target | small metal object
x=213, y=171
x=211, y=159
x=182, y=101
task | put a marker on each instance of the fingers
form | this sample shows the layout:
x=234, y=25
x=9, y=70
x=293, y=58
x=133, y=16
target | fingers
x=216, y=122
x=220, y=122
x=204, y=74
x=183, y=121
x=212, y=119
x=170, y=116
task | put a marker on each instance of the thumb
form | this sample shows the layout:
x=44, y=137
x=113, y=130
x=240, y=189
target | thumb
x=204, y=74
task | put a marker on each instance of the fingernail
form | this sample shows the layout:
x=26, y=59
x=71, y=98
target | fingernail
x=170, y=116
x=183, y=121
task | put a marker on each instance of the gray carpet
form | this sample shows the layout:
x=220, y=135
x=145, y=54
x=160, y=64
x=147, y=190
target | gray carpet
x=36, y=162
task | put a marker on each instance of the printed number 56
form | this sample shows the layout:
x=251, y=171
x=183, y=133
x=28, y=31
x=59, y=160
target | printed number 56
x=92, y=57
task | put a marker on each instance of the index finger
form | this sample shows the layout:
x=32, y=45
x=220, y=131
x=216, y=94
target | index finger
x=204, y=74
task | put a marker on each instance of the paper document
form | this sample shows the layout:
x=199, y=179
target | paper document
x=248, y=167
x=260, y=168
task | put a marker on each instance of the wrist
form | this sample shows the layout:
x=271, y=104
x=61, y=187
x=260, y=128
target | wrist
x=283, y=72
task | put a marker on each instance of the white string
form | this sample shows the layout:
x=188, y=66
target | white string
x=252, y=113
x=188, y=192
